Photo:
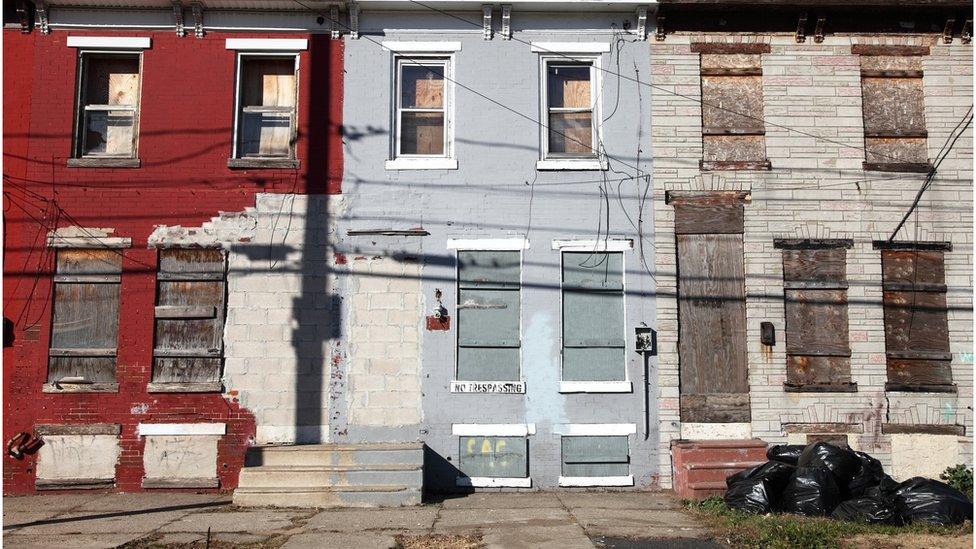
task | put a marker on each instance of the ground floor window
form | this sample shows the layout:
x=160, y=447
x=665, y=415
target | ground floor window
x=493, y=455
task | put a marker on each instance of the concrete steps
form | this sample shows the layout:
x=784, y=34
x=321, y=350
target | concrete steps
x=701, y=466
x=332, y=475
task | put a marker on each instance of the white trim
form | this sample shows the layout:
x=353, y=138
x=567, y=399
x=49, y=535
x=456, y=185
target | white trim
x=608, y=245
x=151, y=429
x=488, y=244
x=494, y=482
x=437, y=47
x=493, y=429
x=110, y=42
x=266, y=44
x=577, y=164
x=594, y=429
x=570, y=47
x=407, y=163
x=595, y=387
x=597, y=481
x=489, y=387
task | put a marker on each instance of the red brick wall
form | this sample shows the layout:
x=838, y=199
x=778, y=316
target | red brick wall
x=185, y=140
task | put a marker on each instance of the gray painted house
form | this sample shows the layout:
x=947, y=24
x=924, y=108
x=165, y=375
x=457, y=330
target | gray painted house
x=521, y=241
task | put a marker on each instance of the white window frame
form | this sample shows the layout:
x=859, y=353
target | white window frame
x=81, y=105
x=242, y=55
x=422, y=53
x=595, y=430
x=554, y=55
x=511, y=386
x=494, y=430
x=595, y=246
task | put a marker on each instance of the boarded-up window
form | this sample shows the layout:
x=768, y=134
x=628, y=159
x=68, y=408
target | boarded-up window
x=815, y=286
x=732, y=111
x=593, y=317
x=494, y=457
x=268, y=95
x=597, y=456
x=108, y=109
x=189, y=320
x=488, y=315
x=916, y=320
x=84, y=331
x=894, y=113
x=570, y=102
x=422, y=107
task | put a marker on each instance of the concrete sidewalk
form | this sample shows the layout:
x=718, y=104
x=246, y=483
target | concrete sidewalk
x=562, y=520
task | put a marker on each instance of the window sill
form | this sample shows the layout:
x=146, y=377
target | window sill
x=180, y=483
x=735, y=165
x=495, y=387
x=918, y=388
x=597, y=481
x=104, y=162
x=908, y=167
x=422, y=164
x=821, y=388
x=570, y=164
x=80, y=388
x=494, y=482
x=595, y=387
x=263, y=163
x=174, y=387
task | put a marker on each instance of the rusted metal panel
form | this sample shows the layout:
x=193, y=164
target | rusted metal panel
x=826, y=265
x=805, y=371
x=711, y=312
x=893, y=104
x=916, y=321
x=715, y=408
x=729, y=48
x=919, y=372
x=903, y=154
x=747, y=149
x=913, y=267
x=891, y=63
x=86, y=261
x=732, y=102
x=816, y=323
x=731, y=61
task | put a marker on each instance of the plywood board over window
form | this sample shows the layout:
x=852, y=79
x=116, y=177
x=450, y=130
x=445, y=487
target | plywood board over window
x=108, y=106
x=892, y=99
x=732, y=109
x=815, y=297
x=916, y=318
x=189, y=320
x=85, y=326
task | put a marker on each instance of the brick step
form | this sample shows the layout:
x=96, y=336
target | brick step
x=701, y=466
x=716, y=472
x=328, y=496
x=411, y=475
x=713, y=455
x=743, y=443
x=336, y=454
x=702, y=490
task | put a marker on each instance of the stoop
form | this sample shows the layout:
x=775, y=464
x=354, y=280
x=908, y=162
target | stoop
x=332, y=475
x=701, y=466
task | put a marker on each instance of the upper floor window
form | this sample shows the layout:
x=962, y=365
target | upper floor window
x=108, y=105
x=423, y=105
x=892, y=99
x=266, y=113
x=733, y=131
x=570, y=105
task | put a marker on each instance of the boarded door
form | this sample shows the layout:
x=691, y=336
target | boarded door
x=711, y=308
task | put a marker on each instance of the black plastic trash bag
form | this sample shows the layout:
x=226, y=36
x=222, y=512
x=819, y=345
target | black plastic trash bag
x=885, y=489
x=775, y=474
x=843, y=463
x=785, y=453
x=749, y=495
x=811, y=491
x=925, y=500
x=871, y=473
x=869, y=510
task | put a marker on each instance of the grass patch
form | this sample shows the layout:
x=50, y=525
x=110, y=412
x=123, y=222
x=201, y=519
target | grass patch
x=438, y=541
x=740, y=529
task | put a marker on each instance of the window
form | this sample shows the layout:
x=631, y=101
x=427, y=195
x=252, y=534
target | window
x=189, y=320
x=892, y=93
x=421, y=109
x=571, y=112
x=85, y=326
x=732, y=106
x=266, y=116
x=916, y=317
x=488, y=335
x=494, y=455
x=108, y=106
x=595, y=454
x=818, y=353
x=593, y=339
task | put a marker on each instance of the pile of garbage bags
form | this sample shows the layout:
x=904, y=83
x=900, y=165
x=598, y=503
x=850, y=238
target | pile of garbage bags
x=821, y=479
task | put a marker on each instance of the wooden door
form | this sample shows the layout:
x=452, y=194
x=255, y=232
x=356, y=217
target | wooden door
x=712, y=357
